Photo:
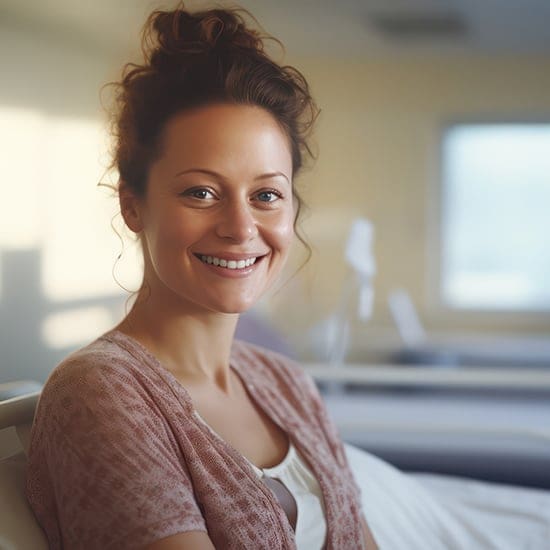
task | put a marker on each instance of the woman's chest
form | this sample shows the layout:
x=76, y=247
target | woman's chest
x=241, y=423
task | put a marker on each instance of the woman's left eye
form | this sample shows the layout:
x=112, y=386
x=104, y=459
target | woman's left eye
x=268, y=196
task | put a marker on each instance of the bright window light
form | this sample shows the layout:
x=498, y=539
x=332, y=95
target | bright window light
x=495, y=217
x=51, y=205
x=80, y=247
x=23, y=159
x=21, y=154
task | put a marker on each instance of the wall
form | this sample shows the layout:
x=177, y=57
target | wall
x=51, y=79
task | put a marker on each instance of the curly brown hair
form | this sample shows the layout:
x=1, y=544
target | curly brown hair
x=191, y=60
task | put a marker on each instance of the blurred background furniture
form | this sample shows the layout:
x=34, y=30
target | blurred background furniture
x=488, y=424
x=18, y=527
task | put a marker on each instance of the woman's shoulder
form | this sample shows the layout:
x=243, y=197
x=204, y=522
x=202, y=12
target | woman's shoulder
x=104, y=357
x=99, y=375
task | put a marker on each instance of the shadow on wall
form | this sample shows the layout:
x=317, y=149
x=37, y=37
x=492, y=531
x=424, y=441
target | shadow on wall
x=26, y=353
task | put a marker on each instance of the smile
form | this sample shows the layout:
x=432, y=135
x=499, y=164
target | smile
x=228, y=264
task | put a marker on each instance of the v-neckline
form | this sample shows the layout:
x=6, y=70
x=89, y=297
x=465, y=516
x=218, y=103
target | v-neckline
x=179, y=389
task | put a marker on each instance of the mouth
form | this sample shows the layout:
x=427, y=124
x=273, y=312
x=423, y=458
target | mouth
x=230, y=263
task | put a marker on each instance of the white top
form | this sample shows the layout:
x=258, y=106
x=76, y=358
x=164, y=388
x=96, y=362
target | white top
x=296, y=476
x=294, y=473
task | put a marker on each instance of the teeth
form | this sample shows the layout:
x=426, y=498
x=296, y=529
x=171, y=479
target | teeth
x=229, y=264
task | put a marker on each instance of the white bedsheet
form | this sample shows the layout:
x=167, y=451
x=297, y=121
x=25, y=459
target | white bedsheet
x=432, y=512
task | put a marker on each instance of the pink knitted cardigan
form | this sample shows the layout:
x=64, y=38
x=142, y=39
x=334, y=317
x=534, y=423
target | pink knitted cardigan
x=119, y=458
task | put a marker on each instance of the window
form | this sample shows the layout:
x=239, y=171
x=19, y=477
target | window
x=495, y=221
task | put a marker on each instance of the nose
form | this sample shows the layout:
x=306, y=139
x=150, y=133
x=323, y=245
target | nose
x=237, y=221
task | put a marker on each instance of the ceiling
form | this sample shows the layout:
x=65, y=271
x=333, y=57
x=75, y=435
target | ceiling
x=340, y=28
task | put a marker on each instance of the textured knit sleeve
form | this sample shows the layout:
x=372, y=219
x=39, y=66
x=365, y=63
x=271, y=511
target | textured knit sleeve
x=104, y=470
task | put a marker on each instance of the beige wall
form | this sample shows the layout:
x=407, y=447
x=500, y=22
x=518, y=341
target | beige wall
x=378, y=139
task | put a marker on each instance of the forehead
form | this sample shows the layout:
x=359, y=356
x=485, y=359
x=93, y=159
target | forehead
x=228, y=138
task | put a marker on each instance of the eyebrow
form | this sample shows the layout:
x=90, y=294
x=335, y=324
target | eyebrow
x=269, y=175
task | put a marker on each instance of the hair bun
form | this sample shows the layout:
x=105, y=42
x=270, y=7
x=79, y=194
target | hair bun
x=193, y=59
x=171, y=34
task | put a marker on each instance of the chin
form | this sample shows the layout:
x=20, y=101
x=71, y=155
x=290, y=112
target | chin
x=235, y=309
x=232, y=306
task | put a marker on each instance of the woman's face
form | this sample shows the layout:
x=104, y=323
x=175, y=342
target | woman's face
x=217, y=219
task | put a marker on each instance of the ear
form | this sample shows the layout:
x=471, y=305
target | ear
x=130, y=208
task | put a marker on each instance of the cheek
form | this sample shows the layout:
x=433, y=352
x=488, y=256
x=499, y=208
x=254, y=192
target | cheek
x=166, y=238
x=284, y=234
x=173, y=227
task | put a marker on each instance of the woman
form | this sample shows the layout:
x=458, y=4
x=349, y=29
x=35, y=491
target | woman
x=165, y=433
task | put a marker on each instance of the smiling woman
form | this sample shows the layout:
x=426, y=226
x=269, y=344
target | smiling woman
x=165, y=432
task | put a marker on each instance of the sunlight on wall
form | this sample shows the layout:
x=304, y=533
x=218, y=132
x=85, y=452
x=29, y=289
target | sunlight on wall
x=22, y=166
x=51, y=205
x=51, y=201
x=79, y=247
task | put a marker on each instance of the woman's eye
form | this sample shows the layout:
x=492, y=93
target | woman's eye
x=268, y=196
x=199, y=193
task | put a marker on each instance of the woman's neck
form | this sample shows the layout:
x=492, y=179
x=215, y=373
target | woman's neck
x=194, y=345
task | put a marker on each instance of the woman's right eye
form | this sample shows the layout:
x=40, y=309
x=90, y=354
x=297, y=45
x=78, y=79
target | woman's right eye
x=200, y=193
